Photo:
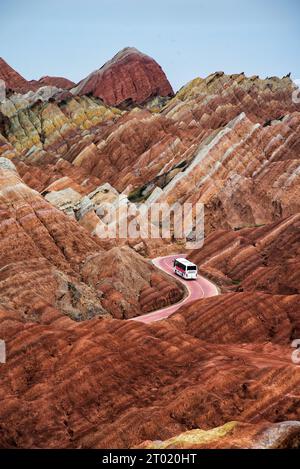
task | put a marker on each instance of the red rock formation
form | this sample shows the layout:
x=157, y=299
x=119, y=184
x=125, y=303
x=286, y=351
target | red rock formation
x=244, y=173
x=13, y=80
x=126, y=280
x=59, y=82
x=160, y=293
x=129, y=76
x=47, y=258
x=6, y=149
x=114, y=384
x=254, y=259
x=230, y=142
x=135, y=149
x=240, y=318
x=244, y=170
x=53, y=173
x=215, y=100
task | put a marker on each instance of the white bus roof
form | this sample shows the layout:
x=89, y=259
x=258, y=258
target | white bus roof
x=184, y=261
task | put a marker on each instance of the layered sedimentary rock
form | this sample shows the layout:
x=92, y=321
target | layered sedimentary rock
x=16, y=83
x=136, y=149
x=245, y=169
x=58, y=82
x=55, y=127
x=265, y=258
x=215, y=100
x=129, y=76
x=40, y=130
x=235, y=435
x=48, y=259
x=227, y=141
x=219, y=372
x=13, y=80
x=252, y=318
x=107, y=214
x=245, y=174
x=6, y=149
x=112, y=383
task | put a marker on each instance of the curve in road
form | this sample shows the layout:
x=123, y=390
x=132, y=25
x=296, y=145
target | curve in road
x=200, y=288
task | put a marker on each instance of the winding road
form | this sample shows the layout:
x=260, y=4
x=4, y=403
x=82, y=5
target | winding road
x=203, y=288
x=200, y=288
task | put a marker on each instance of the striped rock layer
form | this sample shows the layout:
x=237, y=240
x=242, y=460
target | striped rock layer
x=227, y=141
x=48, y=259
x=116, y=384
x=76, y=374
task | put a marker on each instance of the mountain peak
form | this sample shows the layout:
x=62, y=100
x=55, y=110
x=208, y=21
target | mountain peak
x=13, y=80
x=129, y=76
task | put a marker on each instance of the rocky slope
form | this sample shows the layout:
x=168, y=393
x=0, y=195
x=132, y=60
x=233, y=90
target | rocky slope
x=244, y=175
x=13, y=80
x=110, y=383
x=48, y=259
x=234, y=435
x=265, y=258
x=16, y=83
x=218, y=373
x=252, y=318
x=44, y=121
x=227, y=141
x=58, y=82
x=129, y=77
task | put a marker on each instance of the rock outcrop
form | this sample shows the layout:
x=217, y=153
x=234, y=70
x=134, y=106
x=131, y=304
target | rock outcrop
x=116, y=384
x=254, y=258
x=13, y=80
x=219, y=372
x=129, y=77
x=252, y=318
x=227, y=141
x=48, y=260
x=235, y=435
x=33, y=122
x=244, y=174
x=16, y=83
x=58, y=82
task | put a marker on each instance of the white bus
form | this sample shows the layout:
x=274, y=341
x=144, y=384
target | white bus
x=185, y=268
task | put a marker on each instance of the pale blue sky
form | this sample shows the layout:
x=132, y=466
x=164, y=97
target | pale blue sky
x=188, y=38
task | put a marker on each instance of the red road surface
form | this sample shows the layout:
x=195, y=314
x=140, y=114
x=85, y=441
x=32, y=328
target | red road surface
x=200, y=288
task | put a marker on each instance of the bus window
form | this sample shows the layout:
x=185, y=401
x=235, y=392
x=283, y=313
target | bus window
x=180, y=266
